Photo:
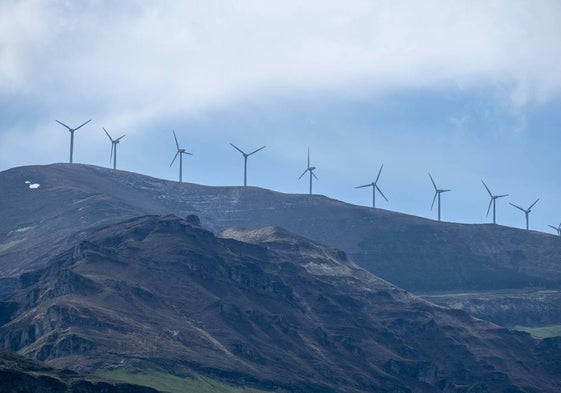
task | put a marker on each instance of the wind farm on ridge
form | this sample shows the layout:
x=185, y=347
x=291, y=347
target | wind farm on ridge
x=310, y=170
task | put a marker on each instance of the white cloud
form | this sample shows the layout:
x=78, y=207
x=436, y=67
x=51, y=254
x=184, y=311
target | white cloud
x=146, y=59
x=23, y=31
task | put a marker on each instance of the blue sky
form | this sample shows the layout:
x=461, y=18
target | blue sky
x=465, y=90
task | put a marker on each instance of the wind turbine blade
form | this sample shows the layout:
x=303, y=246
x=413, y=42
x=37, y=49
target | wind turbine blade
x=303, y=173
x=381, y=193
x=174, y=157
x=314, y=175
x=119, y=138
x=366, y=185
x=518, y=207
x=433, y=183
x=551, y=226
x=175, y=137
x=237, y=148
x=487, y=188
x=379, y=173
x=255, y=151
x=501, y=196
x=489, y=208
x=441, y=191
x=186, y=152
x=532, y=205
x=109, y=136
x=433, y=200
x=308, y=157
x=83, y=124
x=62, y=124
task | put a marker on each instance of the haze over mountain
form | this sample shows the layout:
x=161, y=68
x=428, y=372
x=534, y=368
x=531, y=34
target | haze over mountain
x=260, y=307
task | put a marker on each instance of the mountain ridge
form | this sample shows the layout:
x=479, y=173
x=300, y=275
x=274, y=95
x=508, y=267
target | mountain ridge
x=469, y=256
x=162, y=290
x=418, y=254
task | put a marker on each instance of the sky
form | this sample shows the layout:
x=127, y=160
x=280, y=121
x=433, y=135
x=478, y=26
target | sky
x=464, y=90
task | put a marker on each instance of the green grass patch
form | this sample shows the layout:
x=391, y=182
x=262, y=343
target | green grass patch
x=541, y=331
x=172, y=384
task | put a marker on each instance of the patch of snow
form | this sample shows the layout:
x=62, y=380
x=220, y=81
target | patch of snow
x=34, y=186
x=27, y=182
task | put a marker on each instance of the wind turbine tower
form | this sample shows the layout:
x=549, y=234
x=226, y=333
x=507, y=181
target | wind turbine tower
x=114, y=143
x=492, y=201
x=558, y=229
x=245, y=156
x=526, y=212
x=71, y=130
x=375, y=188
x=437, y=192
x=180, y=152
x=310, y=169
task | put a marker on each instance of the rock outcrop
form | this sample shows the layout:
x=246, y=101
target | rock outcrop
x=258, y=307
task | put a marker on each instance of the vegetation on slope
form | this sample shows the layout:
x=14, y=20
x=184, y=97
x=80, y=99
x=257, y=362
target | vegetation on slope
x=173, y=384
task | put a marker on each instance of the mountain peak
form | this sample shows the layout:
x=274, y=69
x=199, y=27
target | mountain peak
x=319, y=259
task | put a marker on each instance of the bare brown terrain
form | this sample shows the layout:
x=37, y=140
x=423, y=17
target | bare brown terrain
x=259, y=307
x=89, y=281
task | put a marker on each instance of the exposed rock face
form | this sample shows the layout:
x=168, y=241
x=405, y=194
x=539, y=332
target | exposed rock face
x=531, y=307
x=261, y=307
x=417, y=254
x=19, y=374
x=413, y=253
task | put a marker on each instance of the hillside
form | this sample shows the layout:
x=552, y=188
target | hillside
x=20, y=374
x=262, y=307
x=411, y=252
x=417, y=254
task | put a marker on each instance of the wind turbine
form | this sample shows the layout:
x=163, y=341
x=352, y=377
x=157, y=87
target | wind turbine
x=310, y=169
x=113, y=148
x=72, y=135
x=179, y=153
x=437, y=192
x=375, y=187
x=245, y=155
x=526, y=211
x=558, y=229
x=492, y=201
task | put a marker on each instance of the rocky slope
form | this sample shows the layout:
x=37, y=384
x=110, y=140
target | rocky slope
x=19, y=374
x=417, y=254
x=260, y=307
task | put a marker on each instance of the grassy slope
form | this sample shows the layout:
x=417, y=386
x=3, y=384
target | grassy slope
x=171, y=383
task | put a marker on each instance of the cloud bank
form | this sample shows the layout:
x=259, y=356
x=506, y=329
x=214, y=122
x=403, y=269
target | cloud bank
x=139, y=60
